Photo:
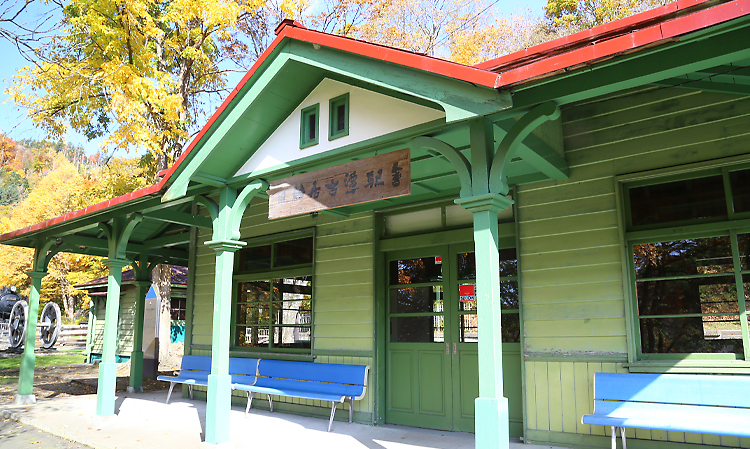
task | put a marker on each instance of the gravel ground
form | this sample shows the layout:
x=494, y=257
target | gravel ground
x=79, y=379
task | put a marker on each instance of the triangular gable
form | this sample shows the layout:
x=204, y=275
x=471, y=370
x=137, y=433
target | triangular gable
x=371, y=114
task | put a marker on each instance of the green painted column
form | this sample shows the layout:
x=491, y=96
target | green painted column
x=28, y=360
x=219, y=402
x=136, y=356
x=491, y=407
x=105, y=392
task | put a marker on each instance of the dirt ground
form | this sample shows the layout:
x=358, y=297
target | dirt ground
x=81, y=379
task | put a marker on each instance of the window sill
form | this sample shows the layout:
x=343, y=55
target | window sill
x=690, y=366
x=272, y=355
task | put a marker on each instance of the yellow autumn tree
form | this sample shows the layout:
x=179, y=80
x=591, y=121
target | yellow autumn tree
x=133, y=71
x=582, y=14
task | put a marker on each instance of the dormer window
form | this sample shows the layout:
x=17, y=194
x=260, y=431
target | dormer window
x=308, y=130
x=338, y=122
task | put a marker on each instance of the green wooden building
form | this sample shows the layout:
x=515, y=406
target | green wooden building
x=581, y=206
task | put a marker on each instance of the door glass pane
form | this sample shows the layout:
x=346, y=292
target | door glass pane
x=508, y=264
x=691, y=335
x=683, y=257
x=416, y=271
x=677, y=201
x=294, y=252
x=416, y=300
x=687, y=296
x=740, y=181
x=511, y=328
x=509, y=295
x=468, y=328
x=744, y=243
x=256, y=258
x=420, y=329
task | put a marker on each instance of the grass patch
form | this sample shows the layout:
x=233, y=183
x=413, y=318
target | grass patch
x=46, y=360
x=8, y=380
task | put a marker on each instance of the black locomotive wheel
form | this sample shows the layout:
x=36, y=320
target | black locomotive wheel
x=17, y=324
x=49, y=325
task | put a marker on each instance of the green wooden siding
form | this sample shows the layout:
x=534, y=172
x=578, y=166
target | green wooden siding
x=572, y=279
x=344, y=318
x=125, y=337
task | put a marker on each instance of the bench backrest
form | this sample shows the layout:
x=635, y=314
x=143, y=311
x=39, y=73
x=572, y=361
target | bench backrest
x=691, y=389
x=195, y=363
x=243, y=371
x=353, y=375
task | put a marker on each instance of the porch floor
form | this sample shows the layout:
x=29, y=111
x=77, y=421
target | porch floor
x=144, y=420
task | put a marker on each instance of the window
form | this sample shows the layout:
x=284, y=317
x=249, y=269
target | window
x=274, y=296
x=338, y=122
x=690, y=242
x=178, y=308
x=308, y=129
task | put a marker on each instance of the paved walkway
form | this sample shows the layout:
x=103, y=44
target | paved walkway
x=145, y=421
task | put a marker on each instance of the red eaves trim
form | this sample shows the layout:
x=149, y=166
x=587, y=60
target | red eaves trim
x=625, y=42
x=85, y=211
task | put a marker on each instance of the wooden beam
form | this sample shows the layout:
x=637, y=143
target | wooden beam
x=132, y=248
x=169, y=240
x=537, y=153
x=706, y=86
x=180, y=218
x=207, y=179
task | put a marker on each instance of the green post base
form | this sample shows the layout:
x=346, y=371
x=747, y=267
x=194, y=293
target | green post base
x=491, y=423
x=24, y=399
x=218, y=406
x=136, y=372
x=105, y=393
x=26, y=376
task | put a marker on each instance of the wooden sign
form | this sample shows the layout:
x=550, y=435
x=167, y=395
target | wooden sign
x=371, y=179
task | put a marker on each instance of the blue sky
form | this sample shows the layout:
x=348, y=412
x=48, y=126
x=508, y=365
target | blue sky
x=13, y=120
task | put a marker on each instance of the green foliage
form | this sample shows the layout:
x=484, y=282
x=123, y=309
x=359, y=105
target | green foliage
x=47, y=360
x=582, y=14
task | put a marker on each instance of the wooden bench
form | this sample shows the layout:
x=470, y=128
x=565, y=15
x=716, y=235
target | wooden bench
x=306, y=380
x=710, y=404
x=194, y=370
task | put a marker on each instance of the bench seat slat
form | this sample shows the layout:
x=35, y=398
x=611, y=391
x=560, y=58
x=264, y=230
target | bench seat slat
x=304, y=394
x=671, y=417
x=193, y=378
x=315, y=387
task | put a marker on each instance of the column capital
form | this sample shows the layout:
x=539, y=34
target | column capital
x=141, y=283
x=494, y=202
x=36, y=274
x=115, y=263
x=225, y=245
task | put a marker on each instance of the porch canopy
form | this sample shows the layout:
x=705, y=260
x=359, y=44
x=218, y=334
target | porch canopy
x=490, y=127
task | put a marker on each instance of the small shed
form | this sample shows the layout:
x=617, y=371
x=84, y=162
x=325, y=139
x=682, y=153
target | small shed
x=97, y=290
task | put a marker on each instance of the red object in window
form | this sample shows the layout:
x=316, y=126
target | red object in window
x=467, y=292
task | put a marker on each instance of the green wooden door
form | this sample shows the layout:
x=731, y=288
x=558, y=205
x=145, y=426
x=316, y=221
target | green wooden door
x=431, y=363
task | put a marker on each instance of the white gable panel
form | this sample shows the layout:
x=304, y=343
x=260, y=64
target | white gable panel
x=370, y=115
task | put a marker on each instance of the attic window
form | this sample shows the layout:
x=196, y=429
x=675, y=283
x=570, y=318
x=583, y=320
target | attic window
x=338, y=123
x=308, y=130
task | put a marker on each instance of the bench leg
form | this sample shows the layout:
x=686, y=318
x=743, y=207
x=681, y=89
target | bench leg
x=249, y=401
x=190, y=389
x=333, y=412
x=622, y=436
x=614, y=437
x=171, y=386
x=270, y=401
x=351, y=404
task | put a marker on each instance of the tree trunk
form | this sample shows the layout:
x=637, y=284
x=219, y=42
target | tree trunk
x=161, y=278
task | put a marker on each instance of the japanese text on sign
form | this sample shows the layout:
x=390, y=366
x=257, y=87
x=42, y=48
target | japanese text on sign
x=370, y=179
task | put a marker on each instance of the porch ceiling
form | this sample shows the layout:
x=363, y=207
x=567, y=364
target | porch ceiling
x=733, y=78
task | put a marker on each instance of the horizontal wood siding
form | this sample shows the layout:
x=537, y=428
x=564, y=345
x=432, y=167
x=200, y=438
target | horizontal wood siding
x=344, y=317
x=570, y=253
x=125, y=337
x=558, y=394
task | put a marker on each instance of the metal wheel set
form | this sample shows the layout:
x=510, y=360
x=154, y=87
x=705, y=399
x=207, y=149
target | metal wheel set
x=49, y=323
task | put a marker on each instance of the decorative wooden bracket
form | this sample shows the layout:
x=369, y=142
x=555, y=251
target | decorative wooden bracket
x=227, y=215
x=45, y=251
x=118, y=234
x=510, y=147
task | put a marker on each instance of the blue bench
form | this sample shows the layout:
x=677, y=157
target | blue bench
x=306, y=380
x=710, y=404
x=194, y=370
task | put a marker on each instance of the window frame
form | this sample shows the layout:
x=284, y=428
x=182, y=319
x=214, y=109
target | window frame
x=304, y=129
x=333, y=105
x=729, y=225
x=288, y=271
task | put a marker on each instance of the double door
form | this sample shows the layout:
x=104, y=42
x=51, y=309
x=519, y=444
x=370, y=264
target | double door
x=432, y=357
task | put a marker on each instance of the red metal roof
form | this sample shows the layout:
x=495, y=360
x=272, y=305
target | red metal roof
x=645, y=29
